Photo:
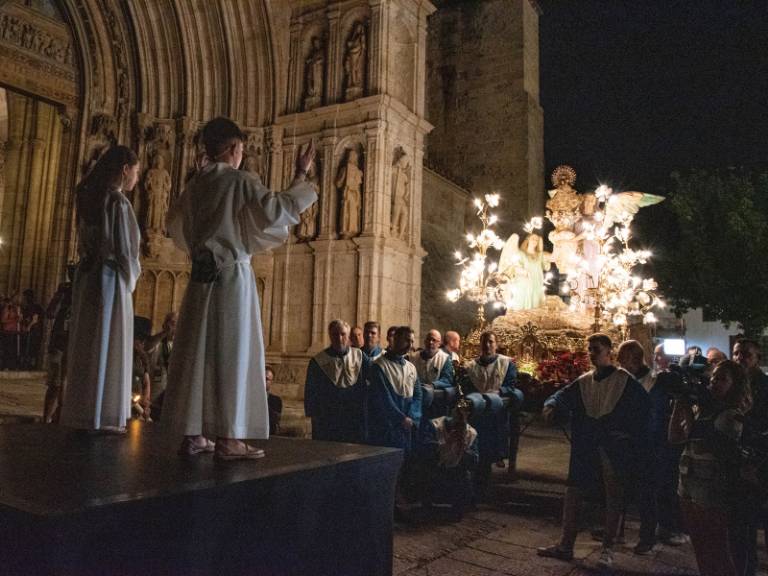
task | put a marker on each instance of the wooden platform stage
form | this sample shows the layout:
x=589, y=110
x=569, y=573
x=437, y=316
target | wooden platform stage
x=74, y=504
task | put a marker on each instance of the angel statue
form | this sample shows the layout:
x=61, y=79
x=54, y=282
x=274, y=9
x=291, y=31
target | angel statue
x=524, y=265
x=621, y=208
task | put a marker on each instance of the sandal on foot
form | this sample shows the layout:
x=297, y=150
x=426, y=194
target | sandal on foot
x=189, y=447
x=243, y=452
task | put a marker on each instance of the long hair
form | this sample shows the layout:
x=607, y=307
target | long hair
x=92, y=191
x=740, y=394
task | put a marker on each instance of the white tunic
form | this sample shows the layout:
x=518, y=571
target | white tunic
x=343, y=371
x=429, y=369
x=487, y=379
x=402, y=377
x=98, y=393
x=216, y=383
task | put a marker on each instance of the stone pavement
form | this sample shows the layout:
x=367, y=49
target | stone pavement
x=21, y=396
x=501, y=536
x=495, y=541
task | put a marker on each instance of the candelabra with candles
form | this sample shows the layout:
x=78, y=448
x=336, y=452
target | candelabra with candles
x=605, y=277
x=480, y=280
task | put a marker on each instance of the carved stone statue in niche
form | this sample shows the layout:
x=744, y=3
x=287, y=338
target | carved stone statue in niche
x=157, y=183
x=253, y=156
x=401, y=196
x=354, y=63
x=307, y=228
x=314, y=75
x=349, y=182
x=162, y=137
x=103, y=135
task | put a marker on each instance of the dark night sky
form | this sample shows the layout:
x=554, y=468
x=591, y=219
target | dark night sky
x=634, y=89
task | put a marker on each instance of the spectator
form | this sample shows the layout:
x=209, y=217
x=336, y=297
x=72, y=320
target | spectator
x=715, y=356
x=59, y=310
x=712, y=492
x=10, y=319
x=141, y=389
x=658, y=502
x=159, y=348
x=31, y=330
x=274, y=402
x=748, y=354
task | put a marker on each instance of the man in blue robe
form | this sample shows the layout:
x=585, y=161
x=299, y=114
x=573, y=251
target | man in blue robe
x=371, y=335
x=394, y=399
x=334, y=394
x=610, y=414
x=435, y=370
x=492, y=377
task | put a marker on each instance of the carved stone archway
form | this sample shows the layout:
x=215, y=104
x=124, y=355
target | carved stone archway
x=145, y=73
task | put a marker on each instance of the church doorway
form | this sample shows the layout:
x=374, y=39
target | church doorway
x=39, y=100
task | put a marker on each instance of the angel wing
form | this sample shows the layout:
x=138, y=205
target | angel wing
x=618, y=205
x=510, y=257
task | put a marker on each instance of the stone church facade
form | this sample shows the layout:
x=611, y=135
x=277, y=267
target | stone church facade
x=79, y=75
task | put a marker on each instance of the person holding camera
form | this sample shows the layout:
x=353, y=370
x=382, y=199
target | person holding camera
x=713, y=493
x=747, y=353
x=657, y=486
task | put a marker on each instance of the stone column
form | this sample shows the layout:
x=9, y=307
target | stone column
x=335, y=55
x=185, y=157
x=377, y=55
x=375, y=163
x=273, y=142
x=323, y=292
x=295, y=69
x=328, y=198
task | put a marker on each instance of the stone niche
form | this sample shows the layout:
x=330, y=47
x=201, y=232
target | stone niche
x=353, y=90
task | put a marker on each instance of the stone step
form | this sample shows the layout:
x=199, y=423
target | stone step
x=293, y=422
x=21, y=396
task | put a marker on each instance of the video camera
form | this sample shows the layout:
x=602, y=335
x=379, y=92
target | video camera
x=687, y=381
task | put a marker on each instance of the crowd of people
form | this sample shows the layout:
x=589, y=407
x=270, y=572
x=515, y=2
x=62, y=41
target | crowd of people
x=686, y=442
x=21, y=334
x=452, y=419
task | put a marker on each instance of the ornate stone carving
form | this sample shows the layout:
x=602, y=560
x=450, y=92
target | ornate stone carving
x=307, y=228
x=254, y=158
x=355, y=62
x=28, y=36
x=103, y=134
x=401, y=196
x=349, y=182
x=157, y=184
x=314, y=75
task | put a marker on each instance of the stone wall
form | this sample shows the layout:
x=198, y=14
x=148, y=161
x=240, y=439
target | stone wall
x=483, y=100
x=446, y=207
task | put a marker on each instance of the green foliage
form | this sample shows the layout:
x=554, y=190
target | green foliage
x=716, y=257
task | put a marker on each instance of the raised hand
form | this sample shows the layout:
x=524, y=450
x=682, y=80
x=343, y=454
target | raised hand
x=306, y=158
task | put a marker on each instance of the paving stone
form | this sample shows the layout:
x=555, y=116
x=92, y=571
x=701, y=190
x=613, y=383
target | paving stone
x=510, y=559
x=400, y=566
x=452, y=567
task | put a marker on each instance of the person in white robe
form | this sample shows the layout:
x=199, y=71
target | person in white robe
x=98, y=393
x=216, y=380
